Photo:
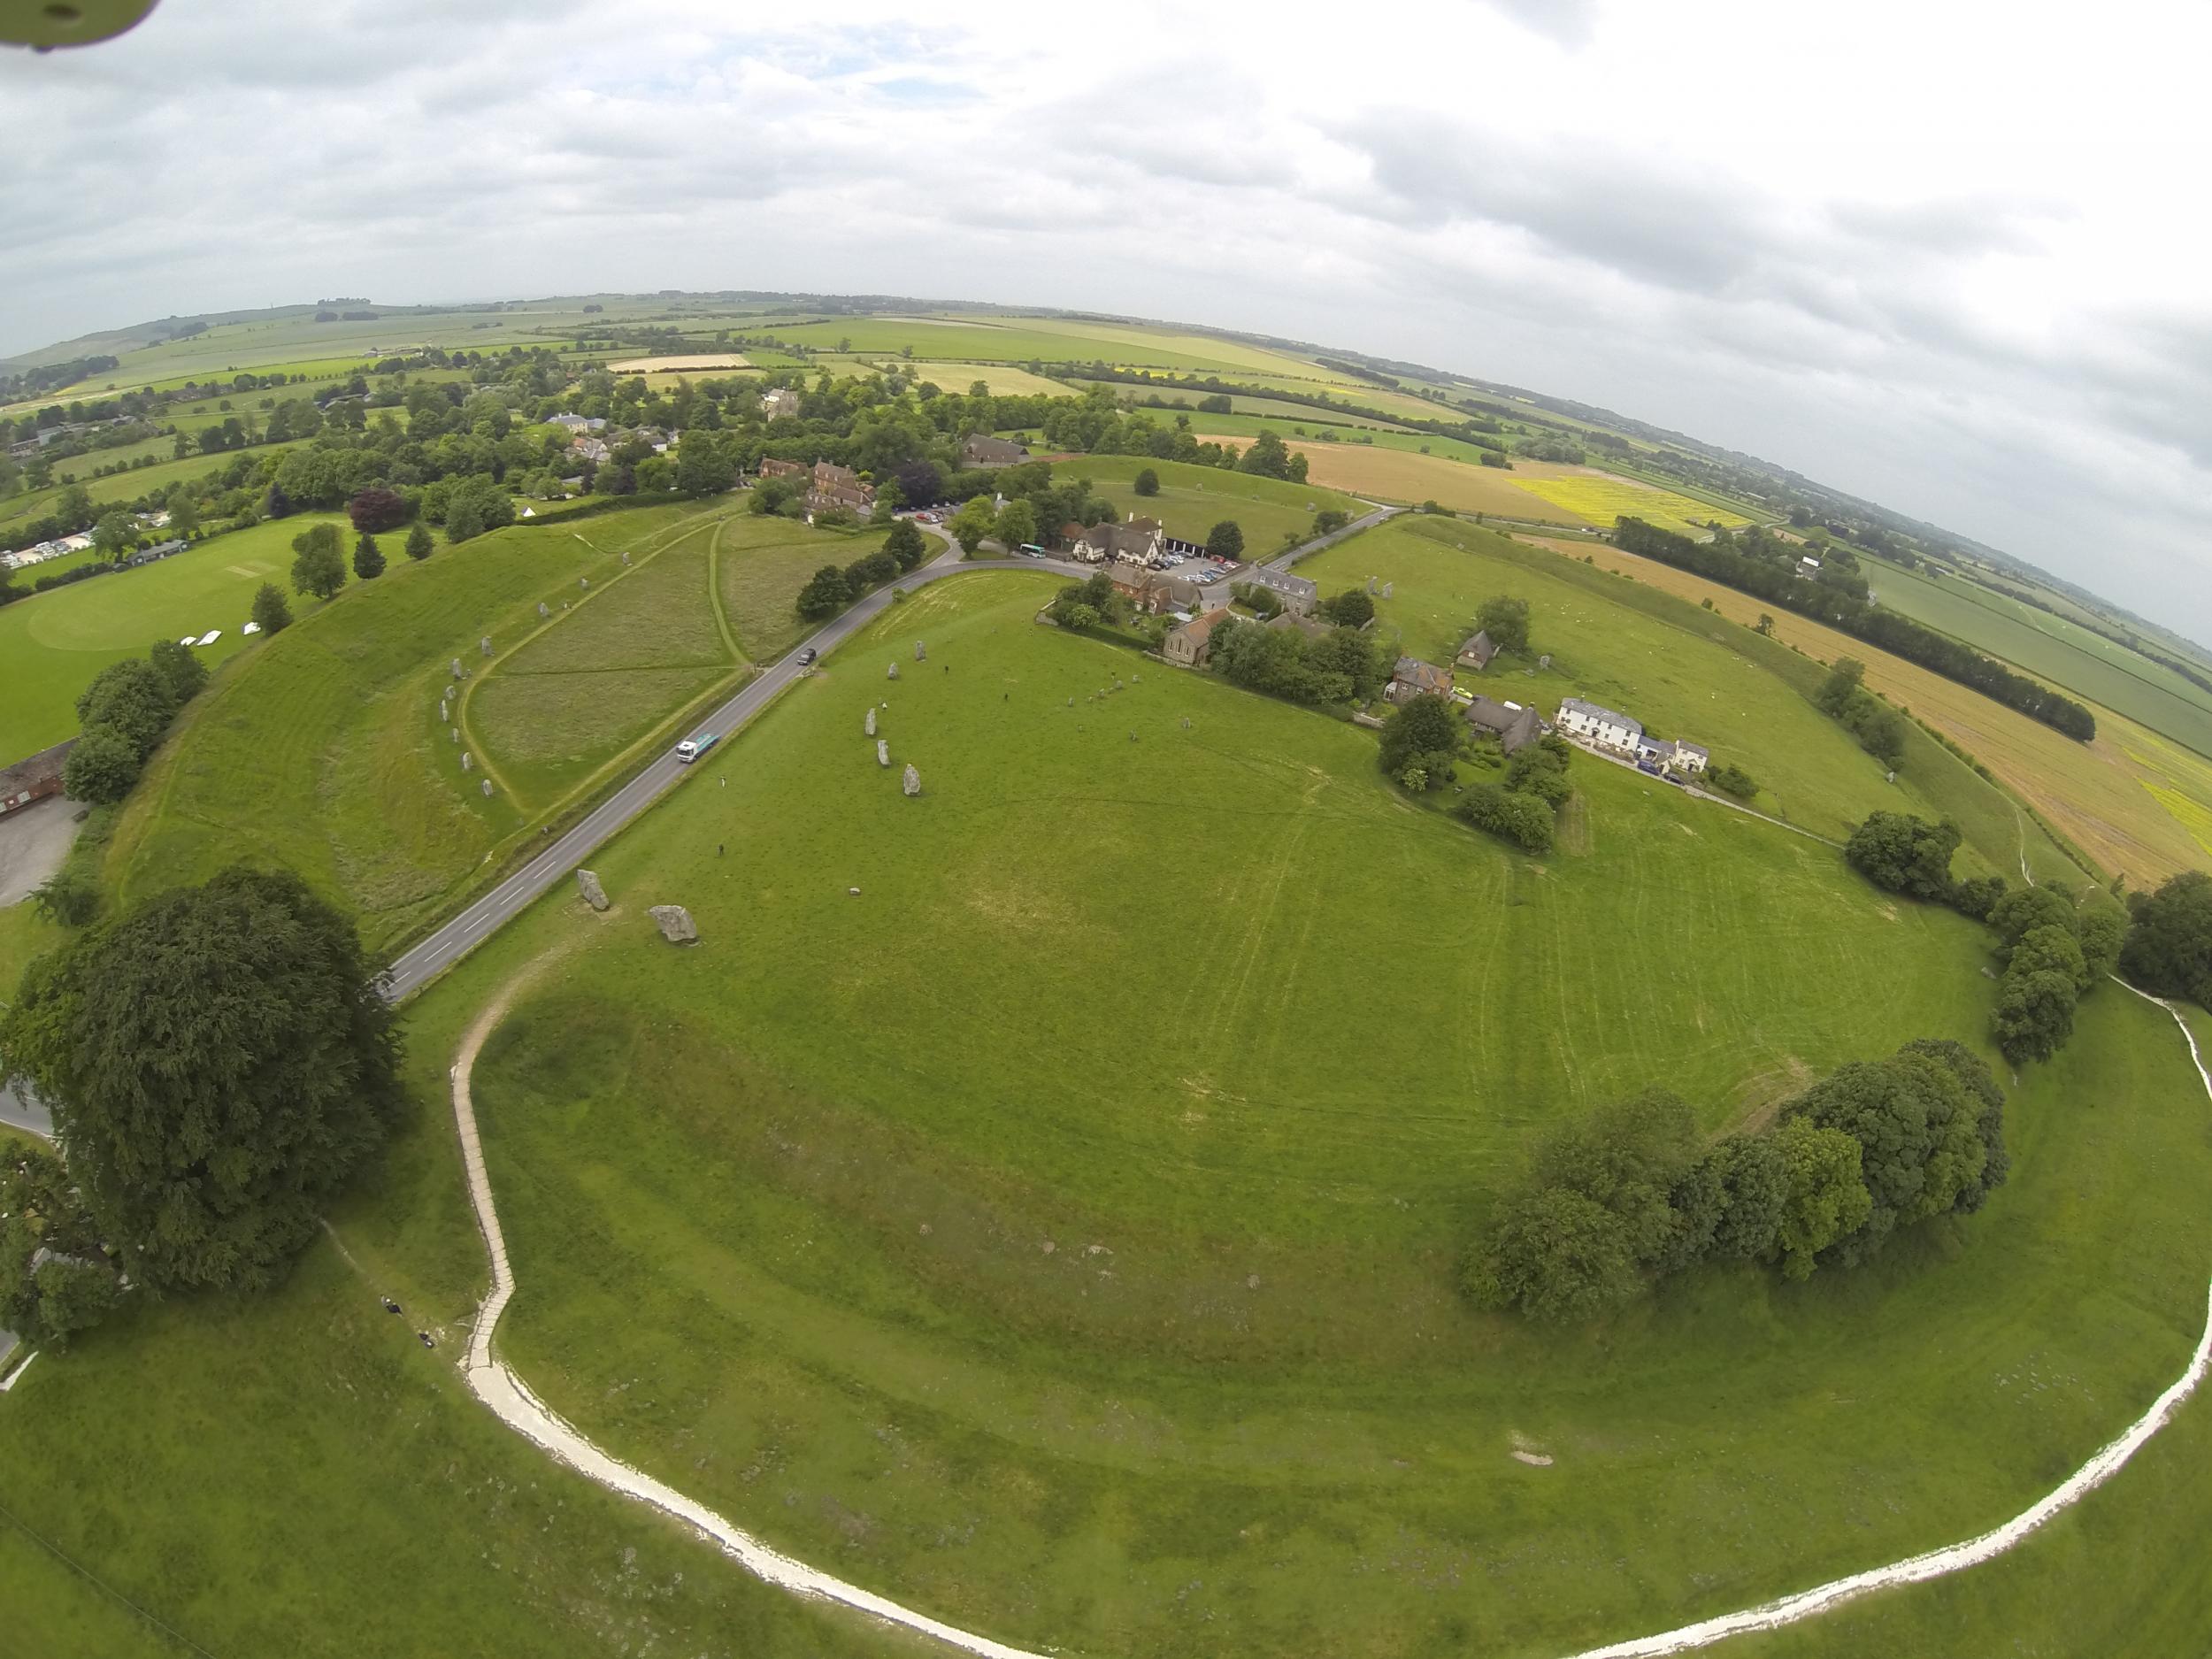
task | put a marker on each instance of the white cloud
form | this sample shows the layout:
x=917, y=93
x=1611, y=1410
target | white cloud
x=1946, y=258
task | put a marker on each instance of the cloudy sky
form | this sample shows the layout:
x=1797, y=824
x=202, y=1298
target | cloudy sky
x=1951, y=258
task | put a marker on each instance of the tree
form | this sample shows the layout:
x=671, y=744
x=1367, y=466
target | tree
x=2019, y=912
x=2101, y=931
x=1225, y=540
x=1268, y=457
x=68, y=898
x=102, y=768
x=1017, y=525
x=419, y=542
x=181, y=669
x=2169, y=946
x=1354, y=608
x=220, y=1062
x=1904, y=854
x=464, y=520
x=270, y=609
x=1536, y=771
x=2053, y=947
x=1842, y=684
x=131, y=697
x=1765, y=624
x=1824, y=1199
x=368, y=558
x=1733, y=780
x=1505, y=619
x=318, y=565
x=2035, y=1014
x=114, y=532
x=1418, y=728
x=1753, y=1188
x=376, y=508
x=1523, y=819
x=706, y=465
x=1148, y=482
x=906, y=544
x=974, y=521
x=826, y=593
x=41, y=1209
x=1555, y=1256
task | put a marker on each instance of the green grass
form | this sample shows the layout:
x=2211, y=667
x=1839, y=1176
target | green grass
x=1193, y=499
x=762, y=563
x=55, y=642
x=323, y=749
x=2054, y=649
x=657, y=615
x=1681, y=678
x=1218, y=1003
x=17, y=511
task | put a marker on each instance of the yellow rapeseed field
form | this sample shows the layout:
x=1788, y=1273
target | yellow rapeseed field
x=1601, y=497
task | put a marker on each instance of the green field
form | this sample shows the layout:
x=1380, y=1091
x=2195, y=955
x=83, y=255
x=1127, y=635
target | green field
x=2054, y=649
x=54, y=643
x=762, y=563
x=17, y=511
x=1193, y=499
x=816, y=1211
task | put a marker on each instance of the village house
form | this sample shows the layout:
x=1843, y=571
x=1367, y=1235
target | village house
x=981, y=449
x=1669, y=755
x=1413, y=678
x=832, y=485
x=771, y=467
x=1136, y=541
x=1298, y=595
x=1599, y=727
x=575, y=426
x=782, y=401
x=1514, y=724
x=1189, y=646
x=1476, y=653
x=35, y=779
x=1312, y=628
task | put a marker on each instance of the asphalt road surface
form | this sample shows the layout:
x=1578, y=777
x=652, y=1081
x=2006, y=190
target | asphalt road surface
x=455, y=940
x=18, y=1113
x=1366, y=521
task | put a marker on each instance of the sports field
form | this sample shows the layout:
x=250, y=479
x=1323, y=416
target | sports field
x=846, y=1272
x=1193, y=499
x=53, y=643
x=2139, y=805
x=2054, y=649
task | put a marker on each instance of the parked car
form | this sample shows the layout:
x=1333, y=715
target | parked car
x=807, y=657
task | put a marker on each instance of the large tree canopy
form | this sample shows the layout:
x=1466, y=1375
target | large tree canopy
x=219, y=1062
x=2168, y=947
x=1904, y=854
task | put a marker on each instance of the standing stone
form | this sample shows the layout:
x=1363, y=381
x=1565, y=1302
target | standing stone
x=625, y=561
x=871, y=721
x=894, y=674
x=674, y=922
x=913, y=782
x=467, y=764
x=445, y=714
x=1544, y=661
x=544, y=609
x=583, y=581
x=456, y=733
x=921, y=652
x=883, y=752
x=587, y=884
x=484, y=645
x=1371, y=584
x=456, y=668
x=488, y=788
x=1386, y=587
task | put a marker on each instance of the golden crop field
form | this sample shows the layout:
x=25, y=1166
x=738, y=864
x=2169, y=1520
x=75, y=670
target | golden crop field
x=2135, y=803
x=1407, y=475
x=691, y=364
x=1004, y=379
x=1601, y=497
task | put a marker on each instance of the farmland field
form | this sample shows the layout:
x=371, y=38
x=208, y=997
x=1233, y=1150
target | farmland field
x=54, y=643
x=842, y=1269
x=1004, y=379
x=681, y=364
x=1601, y=497
x=127, y=486
x=761, y=565
x=2054, y=649
x=1382, y=474
x=1193, y=499
x=2140, y=806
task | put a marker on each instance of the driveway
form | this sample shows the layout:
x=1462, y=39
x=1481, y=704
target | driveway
x=34, y=840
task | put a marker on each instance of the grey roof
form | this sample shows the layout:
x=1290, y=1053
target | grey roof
x=1280, y=581
x=1594, y=712
x=1481, y=648
x=1516, y=725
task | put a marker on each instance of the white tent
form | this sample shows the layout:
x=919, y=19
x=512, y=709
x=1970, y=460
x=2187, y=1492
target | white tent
x=251, y=628
x=211, y=636
x=189, y=639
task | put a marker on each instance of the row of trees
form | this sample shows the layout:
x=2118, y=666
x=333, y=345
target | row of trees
x=121, y=717
x=1880, y=728
x=830, y=589
x=1613, y=1203
x=1722, y=561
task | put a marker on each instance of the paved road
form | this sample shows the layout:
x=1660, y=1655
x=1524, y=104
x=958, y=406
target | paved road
x=1284, y=561
x=484, y=917
x=20, y=1112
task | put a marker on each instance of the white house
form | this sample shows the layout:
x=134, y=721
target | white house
x=1670, y=755
x=781, y=401
x=1600, y=727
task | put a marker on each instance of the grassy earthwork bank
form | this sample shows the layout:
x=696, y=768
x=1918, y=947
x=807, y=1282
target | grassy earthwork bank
x=2138, y=804
x=323, y=749
x=1032, y=1355
x=1193, y=499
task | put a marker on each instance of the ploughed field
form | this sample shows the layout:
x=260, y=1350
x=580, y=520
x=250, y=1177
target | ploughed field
x=1059, y=1233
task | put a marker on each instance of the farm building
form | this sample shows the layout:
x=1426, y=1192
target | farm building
x=1190, y=645
x=1312, y=628
x=835, y=486
x=980, y=450
x=1600, y=727
x=1476, y=652
x=34, y=779
x=1413, y=678
x=1512, y=723
x=1137, y=541
x=1299, y=596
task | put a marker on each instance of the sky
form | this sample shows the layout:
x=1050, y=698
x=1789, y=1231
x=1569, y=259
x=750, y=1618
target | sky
x=1949, y=257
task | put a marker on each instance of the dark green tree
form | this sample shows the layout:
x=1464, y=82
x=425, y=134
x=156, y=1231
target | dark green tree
x=420, y=544
x=2026, y=908
x=1148, y=482
x=2169, y=946
x=1730, y=779
x=1825, y=1198
x=368, y=558
x=826, y=593
x=219, y=1064
x=2035, y=1014
x=975, y=520
x=1354, y=608
x=102, y=768
x=1903, y=854
x=319, y=564
x=1225, y=540
x=270, y=609
x=1845, y=675
x=1521, y=819
x=1419, y=731
x=906, y=544
x=181, y=669
x=1505, y=619
x=133, y=698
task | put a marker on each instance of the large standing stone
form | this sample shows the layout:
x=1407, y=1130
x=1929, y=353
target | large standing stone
x=894, y=674
x=921, y=652
x=587, y=884
x=484, y=645
x=544, y=609
x=467, y=764
x=486, y=788
x=1371, y=584
x=583, y=581
x=674, y=922
x=1544, y=661
x=913, y=782
x=871, y=720
x=1387, y=589
x=456, y=668
x=625, y=561
x=883, y=752
x=456, y=732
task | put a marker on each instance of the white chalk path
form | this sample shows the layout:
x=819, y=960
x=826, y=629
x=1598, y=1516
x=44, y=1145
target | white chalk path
x=523, y=1412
